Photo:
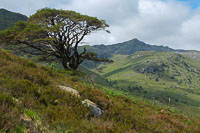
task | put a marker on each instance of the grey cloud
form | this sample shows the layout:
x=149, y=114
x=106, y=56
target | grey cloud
x=113, y=11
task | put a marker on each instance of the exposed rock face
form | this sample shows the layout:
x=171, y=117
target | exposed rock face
x=96, y=111
x=70, y=90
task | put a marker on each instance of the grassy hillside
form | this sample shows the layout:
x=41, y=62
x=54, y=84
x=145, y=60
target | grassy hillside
x=8, y=19
x=157, y=76
x=31, y=101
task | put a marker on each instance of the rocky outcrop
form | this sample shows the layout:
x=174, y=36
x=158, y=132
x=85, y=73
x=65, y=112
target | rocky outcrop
x=96, y=111
x=153, y=68
x=70, y=90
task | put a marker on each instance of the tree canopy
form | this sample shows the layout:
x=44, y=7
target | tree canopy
x=56, y=33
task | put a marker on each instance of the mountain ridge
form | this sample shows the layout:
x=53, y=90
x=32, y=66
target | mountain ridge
x=127, y=48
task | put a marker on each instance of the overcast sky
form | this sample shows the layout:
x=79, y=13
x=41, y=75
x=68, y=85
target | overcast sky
x=173, y=23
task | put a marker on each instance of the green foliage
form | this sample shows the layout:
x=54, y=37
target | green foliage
x=53, y=65
x=32, y=114
x=9, y=112
x=48, y=14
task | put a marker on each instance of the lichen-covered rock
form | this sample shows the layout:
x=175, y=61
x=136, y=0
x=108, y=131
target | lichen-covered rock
x=70, y=90
x=96, y=111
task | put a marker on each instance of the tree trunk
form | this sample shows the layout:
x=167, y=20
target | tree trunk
x=71, y=63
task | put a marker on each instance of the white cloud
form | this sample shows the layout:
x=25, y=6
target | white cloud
x=160, y=22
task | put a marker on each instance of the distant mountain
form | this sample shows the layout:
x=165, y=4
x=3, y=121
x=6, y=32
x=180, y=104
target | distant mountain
x=126, y=48
x=8, y=18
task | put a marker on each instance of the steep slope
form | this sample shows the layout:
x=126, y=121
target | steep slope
x=8, y=18
x=157, y=76
x=30, y=101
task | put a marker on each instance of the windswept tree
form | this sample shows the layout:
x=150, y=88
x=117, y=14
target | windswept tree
x=55, y=33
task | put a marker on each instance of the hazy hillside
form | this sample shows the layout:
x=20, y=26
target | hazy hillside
x=193, y=54
x=8, y=18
